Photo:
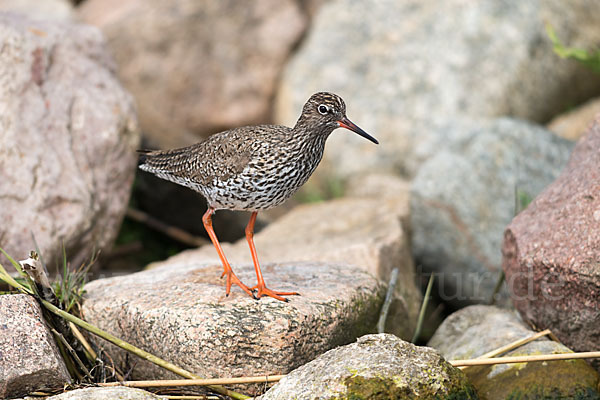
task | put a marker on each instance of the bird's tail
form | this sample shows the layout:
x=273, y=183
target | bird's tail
x=162, y=161
x=143, y=155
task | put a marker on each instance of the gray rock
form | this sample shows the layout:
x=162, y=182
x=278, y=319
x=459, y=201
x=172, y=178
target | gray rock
x=475, y=330
x=405, y=66
x=462, y=200
x=29, y=358
x=376, y=366
x=103, y=393
x=68, y=132
x=40, y=9
x=377, y=185
x=198, y=67
x=179, y=312
x=370, y=234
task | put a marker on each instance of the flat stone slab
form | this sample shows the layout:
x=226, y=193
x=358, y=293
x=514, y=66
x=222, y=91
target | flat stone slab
x=375, y=367
x=29, y=358
x=369, y=234
x=179, y=312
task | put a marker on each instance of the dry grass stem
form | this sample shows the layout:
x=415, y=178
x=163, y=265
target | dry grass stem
x=389, y=296
x=511, y=346
x=137, y=351
x=423, y=309
x=276, y=378
x=173, y=232
x=86, y=345
x=524, y=359
x=197, y=382
x=72, y=353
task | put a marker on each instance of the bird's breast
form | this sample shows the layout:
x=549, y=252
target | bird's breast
x=261, y=185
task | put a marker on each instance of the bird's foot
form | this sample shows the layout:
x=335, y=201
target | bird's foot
x=262, y=290
x=231, y=279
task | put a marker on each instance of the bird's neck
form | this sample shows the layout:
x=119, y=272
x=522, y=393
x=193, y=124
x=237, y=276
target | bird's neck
x=308, y=129
x=309, y=143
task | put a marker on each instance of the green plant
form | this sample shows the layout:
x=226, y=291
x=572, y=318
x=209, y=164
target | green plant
x=591, y=60
x=69, y=284
x=522, y=200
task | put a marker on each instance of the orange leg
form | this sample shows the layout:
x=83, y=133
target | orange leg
x=231, y=277
x=261, y=287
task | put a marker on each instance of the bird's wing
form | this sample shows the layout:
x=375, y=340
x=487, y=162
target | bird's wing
x=222, y=156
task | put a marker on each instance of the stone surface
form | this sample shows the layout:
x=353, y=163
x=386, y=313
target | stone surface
x=475, y=330
x=29, y=358
x=573, y=124
x=551, y=252
x=405, y=66
x=371, y=234
x=68, y=132
x=463, y=198
x=198, y=67
x=375, y=367
x=40, y=9
x=378, y=185
x=179, y=312
x=103, y=393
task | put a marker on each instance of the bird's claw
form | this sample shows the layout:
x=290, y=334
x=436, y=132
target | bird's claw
x=262, y=291
x=231, y=279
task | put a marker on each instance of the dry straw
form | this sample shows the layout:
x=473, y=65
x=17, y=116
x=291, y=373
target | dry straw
x=485, y=359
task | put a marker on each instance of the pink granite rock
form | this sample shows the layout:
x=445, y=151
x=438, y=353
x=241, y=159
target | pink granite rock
x=551, y=252
x=29, y=358
x=367, y=233
x=179, y=312
x=68, y=131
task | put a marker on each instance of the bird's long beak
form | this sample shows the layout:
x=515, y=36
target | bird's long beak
x=346, y=123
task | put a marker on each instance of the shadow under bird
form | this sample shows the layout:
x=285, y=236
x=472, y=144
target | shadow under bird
x=253, y=168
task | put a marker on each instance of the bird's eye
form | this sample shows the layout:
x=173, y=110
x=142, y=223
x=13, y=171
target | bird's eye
x=323, y=109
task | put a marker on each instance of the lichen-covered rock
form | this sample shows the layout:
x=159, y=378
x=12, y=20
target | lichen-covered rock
x=104, y=393
x=551, y=252
x=370, y=234
x=475, y=330
x=463, y=197
x=375, y=367
x=179, y=312
x=29, y=358
x=68, y=134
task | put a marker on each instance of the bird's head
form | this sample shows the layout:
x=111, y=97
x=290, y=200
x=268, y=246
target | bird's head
x=325, y=112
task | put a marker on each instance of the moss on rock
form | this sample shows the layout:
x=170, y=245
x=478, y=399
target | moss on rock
x=378, y=367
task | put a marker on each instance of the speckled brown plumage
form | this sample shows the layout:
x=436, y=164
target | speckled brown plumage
x=253, y=168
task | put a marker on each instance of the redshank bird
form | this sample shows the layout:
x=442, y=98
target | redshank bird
x=253, y=168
